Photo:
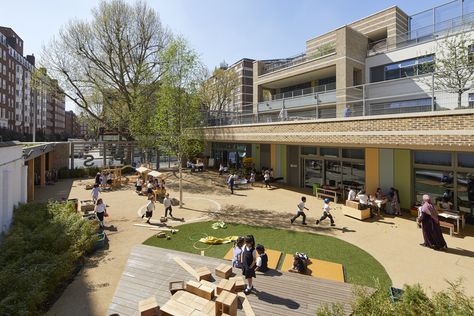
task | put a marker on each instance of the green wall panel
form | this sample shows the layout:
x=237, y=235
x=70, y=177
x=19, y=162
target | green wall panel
x=403, y=176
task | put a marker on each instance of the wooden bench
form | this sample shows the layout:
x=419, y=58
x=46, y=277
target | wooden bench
x=327, y=193
x=447, y=225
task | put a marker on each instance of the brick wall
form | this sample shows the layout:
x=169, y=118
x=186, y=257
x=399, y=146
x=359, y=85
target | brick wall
x=453, y=130
x=61, y=155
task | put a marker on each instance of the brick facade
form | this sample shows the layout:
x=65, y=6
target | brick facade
x=453, y=131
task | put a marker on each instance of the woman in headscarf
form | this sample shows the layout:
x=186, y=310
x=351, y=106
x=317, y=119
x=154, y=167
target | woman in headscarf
x=432, y=235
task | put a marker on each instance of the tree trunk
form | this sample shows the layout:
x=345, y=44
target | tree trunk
x=459, y=99
x=180, y=186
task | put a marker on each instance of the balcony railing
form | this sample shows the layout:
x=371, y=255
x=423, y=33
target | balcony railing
x=272, y=66
x=392, y=97
x=420, y=35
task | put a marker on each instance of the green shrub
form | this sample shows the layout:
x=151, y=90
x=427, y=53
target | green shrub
x=66, y=173
x=414, y=302
x=39, y=253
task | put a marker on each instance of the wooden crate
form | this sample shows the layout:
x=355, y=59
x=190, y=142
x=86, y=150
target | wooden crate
x=225, y=285
x=203, y=273
x=239, y=283
x=226, y=303
x=224, y=271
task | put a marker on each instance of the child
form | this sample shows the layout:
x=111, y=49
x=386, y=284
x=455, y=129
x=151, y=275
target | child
x=149, y=187
x=139, y=185
x=167, y=204
x=237, y=258
x=266, y=178
x=100, y=211
x=326, y=213
x=300, y=263
x=252, y=178
x=150, y=207
x=262, y=259
x=300, y=211
x=249, y=259
x=95, y=192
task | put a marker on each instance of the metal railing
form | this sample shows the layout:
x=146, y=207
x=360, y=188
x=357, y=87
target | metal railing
x=301, y=92
x=271, y=66
x=420, y=35
x=393, y=97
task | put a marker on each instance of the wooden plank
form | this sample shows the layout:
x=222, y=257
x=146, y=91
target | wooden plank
x=245, y=304
x=186, y=267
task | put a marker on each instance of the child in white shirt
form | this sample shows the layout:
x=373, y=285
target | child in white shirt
x=326, y=213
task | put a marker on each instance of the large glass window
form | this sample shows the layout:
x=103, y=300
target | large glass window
x=433, y=182
x=466, y=160
x=309, y=150
x=353, y=174
x=465, y=192
x=392, y=71
x=405, y=68
x=313, y=172
x=333, y=173
x=433, y=158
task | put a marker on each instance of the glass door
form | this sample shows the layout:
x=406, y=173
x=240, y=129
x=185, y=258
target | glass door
x=313, y=170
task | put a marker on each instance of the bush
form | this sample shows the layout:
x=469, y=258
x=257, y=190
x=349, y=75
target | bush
x=39, y=253
x=65, y=173
x=414, y=301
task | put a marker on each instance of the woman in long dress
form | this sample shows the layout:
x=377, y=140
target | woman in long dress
x=432, y=235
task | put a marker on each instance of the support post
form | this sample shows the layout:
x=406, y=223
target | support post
x=104, y=156
x=42, y=170
x=31, y=180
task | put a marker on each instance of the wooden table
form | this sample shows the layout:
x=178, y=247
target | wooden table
x=459, y=217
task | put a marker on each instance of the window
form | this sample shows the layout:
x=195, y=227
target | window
x=433, y=158
x=408, y=68
x=377, y=74
x=353, y=153
x=329, y=152
x=392, y=71
x=432, y=182
x=402, y=69
x=466, y=160
x=309, y=150
x=357, y=77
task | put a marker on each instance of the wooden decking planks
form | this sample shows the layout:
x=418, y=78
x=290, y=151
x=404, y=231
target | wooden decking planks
x=149, y=270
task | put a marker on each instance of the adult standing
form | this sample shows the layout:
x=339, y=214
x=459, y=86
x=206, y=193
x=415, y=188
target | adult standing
x=395, y=201
x=432, y=235
x=100, y=211
x=150, y=207
x=231, y=182
x=167, y=205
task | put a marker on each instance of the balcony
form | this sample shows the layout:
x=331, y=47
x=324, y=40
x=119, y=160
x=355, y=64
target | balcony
x=275, y=65
x=422, y=34
x=392, y=97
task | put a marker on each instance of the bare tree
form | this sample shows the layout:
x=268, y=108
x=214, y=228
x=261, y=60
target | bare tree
x=454, y=64
x=217, y=92
x=116, y=54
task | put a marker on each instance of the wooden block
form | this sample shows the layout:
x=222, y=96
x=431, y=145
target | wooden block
x=239, y=283
x=206, y=292
x=186, y=267
x=225, y=285
x=246, y=305
x=148, y=307
x=176, y=286
x=224, y=271
x=190, y=299
x=209, y=284
x=226, y=303
x=193, y=287
x=203, y=273
x=175, y=308
x=198, y=313
x=209, y=308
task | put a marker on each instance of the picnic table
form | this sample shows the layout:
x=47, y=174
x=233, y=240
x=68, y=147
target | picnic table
x=459, y=217
x=326, y=192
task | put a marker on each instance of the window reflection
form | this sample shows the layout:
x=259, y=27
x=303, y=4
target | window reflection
x=465, y=190
x=433, y=182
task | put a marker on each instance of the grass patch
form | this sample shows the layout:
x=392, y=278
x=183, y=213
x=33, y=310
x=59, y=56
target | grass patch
x=361, y=268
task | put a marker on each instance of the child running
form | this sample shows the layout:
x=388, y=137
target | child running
x=167, y=204
x=237, y=257
x=262, y=259
x=249, y=258
x=300, y=211
x=95, y=193
x=326, y=213
x=150, y=207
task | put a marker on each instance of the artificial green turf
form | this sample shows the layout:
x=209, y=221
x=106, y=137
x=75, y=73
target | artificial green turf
x=361, y=268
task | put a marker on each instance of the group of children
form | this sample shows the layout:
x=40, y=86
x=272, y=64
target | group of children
x=249, y=258
x=301, y=207
x=150, y=207
x=151, y=184
x=104, y=179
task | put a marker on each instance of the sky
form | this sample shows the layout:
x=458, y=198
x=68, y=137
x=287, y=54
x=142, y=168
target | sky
x=217, y=30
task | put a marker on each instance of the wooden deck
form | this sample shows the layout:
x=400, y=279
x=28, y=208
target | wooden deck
x=150, y=269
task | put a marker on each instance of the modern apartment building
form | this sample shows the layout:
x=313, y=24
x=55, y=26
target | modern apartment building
x=72, y=128
x=359, y=109
x=18, y=99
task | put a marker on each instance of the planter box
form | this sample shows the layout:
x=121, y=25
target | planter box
x=360, y=215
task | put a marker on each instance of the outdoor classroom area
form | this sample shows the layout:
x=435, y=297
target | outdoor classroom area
x=381, y=251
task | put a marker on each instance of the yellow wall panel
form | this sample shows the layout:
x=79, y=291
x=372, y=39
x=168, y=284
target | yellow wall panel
x=371, y=170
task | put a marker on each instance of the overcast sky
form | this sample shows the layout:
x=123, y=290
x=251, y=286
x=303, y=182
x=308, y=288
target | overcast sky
x=217, y=30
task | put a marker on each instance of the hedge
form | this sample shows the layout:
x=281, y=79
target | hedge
x=40, y=252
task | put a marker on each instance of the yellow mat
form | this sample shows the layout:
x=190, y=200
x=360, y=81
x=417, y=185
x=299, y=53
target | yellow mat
x=273, y=257
x=318, y=269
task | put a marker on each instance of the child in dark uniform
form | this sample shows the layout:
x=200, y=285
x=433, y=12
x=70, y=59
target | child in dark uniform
x=249, y=258
x=262, y=259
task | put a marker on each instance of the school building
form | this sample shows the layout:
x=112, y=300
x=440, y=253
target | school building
x=363, y=107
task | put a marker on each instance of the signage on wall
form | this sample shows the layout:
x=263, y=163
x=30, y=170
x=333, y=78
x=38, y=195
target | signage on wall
x=293, y=166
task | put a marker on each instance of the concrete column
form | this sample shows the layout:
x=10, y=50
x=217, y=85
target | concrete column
x=31, y=180
x=43, y=170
